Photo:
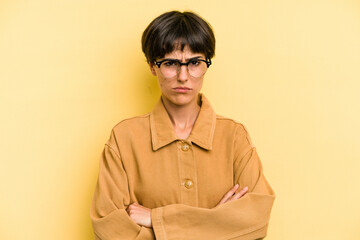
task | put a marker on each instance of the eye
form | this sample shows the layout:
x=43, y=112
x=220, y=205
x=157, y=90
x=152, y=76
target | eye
x=169, y=63
x=194, y=63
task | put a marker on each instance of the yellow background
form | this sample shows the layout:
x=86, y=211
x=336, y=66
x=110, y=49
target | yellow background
x=70, y=70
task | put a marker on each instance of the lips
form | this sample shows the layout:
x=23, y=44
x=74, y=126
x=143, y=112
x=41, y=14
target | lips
x=182, y=89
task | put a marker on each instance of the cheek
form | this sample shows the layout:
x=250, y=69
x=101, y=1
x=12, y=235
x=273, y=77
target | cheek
x=163, y=85
x=199, y=84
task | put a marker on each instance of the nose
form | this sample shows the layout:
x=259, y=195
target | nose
x=183, y=74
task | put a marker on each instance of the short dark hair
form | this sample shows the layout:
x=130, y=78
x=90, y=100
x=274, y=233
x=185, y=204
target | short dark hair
x=172, y=30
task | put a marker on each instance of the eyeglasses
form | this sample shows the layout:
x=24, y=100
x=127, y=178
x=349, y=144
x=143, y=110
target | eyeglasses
x=171, y=67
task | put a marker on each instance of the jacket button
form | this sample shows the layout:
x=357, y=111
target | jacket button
x=185, y=147
x=189, y=184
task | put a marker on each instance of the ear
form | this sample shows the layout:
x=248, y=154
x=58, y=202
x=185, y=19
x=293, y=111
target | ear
x=152, y=69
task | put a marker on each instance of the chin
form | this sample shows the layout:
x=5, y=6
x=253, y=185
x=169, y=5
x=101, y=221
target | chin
x=182, y=99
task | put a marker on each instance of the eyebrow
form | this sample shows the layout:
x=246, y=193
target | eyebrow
x=186, y=59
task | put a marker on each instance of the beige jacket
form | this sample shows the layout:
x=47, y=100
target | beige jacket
x=180, y=180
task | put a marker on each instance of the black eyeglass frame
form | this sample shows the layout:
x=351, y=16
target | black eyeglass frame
x=208, y=63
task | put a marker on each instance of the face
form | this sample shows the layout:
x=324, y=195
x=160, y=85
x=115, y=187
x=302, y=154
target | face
x=183, y=89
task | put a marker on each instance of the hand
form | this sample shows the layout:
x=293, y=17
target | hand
x=140, y=214
x=231, y=196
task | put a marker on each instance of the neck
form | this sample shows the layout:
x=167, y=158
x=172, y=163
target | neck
x=183, y=117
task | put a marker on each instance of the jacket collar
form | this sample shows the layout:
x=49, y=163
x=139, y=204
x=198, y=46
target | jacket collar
x=163, y=133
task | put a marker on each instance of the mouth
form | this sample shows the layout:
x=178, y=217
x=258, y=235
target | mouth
x=182, y=89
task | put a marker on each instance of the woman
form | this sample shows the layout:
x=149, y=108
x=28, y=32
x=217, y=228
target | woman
x=180, y=172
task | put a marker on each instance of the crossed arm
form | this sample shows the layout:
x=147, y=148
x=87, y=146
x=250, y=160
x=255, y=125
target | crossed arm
x=247, y=217
x=142, y=215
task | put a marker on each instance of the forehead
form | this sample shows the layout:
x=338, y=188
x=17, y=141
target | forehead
x=186, y=53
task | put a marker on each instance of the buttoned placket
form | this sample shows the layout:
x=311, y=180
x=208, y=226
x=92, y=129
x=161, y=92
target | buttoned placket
x=187, y=173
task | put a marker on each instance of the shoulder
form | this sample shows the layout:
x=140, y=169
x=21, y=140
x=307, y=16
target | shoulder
x=237, y=130
x=136, y=121
x=133, y=127
x=230, y=123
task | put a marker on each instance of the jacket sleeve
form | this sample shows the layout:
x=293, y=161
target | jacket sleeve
x=245, y=218
x=108, y=215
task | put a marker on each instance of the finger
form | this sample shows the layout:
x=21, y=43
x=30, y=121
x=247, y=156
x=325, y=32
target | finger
x=130, y=208
x=241, y=193
x=229, y=194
